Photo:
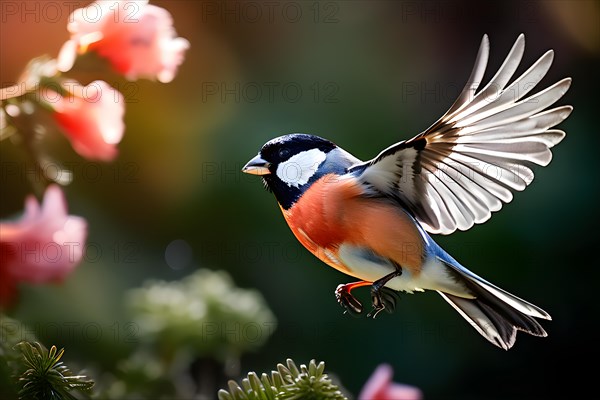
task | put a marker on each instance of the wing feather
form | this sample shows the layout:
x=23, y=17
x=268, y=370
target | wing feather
x=468, y=163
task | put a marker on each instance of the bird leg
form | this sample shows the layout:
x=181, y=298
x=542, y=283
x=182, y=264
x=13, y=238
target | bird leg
x=347, y=300
x=384, y=298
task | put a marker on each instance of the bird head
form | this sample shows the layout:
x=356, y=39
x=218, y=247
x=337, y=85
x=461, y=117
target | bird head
x=289, y=164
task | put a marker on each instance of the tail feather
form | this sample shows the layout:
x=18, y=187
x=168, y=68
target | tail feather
x=500, y=334
x=493, y=312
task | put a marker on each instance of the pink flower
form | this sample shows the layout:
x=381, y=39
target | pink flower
x=92, y=118
x=45, y=245
x=137, y=38
x=380, y=387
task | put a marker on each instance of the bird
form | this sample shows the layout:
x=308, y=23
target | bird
x=372, y=220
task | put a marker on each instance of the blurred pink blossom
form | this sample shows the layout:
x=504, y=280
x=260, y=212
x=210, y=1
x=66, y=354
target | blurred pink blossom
x=92, y=118
x=44, y=245
x=380, y=387
x=137, y=38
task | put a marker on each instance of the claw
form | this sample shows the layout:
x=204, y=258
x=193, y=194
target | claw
x=350, y=304
x=389, y=299
x=378, y=304
x=373, y=313
x=383, y=298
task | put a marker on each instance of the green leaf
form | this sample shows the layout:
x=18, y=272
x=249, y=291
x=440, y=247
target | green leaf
x=46, y=377
x=224, y=395
x=255, y=383
x=288, y=382
x=268, y=387
x=292, y=367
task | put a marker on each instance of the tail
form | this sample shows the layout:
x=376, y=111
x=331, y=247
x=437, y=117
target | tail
x=493, y=312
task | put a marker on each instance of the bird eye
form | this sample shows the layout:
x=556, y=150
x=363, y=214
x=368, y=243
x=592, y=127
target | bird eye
x=284, y=153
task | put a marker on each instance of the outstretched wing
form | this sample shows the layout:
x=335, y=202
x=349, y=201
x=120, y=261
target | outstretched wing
x=466, y=165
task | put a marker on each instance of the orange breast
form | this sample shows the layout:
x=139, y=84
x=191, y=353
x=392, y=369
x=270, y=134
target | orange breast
x=333, y=212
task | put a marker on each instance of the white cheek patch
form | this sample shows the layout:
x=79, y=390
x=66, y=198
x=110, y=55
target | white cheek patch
x=300, y=168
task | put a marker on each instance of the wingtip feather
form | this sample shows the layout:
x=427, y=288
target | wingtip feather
x=499, y=125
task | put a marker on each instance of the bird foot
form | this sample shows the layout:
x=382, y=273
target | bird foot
x=350, y=303
x=383, y=298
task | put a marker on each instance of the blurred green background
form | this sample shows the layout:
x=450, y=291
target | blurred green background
x=363, y=74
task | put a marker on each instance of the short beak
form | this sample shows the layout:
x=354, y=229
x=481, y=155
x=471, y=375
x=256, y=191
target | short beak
x=257, y=166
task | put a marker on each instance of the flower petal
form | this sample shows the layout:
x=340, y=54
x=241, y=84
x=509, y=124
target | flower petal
x=380, y=387
x=92, y=119
x=66, y=56
x=45, y=245
x=138, y=39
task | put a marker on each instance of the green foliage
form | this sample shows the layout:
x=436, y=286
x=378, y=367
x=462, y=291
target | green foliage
x=287, y=383
x=46, y=377
x=12, y=332
x=140, y=376
x=204, y=313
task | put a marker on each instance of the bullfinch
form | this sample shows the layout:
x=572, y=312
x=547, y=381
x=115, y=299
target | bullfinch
x=372, y=219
